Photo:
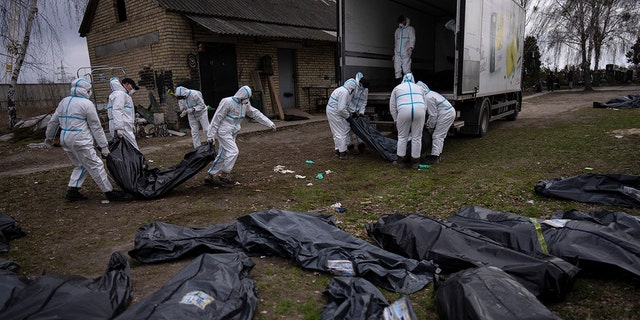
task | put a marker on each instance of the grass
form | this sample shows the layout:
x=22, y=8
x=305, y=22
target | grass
x=498, y=172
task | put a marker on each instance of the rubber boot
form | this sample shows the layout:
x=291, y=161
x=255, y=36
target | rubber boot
x=73, y=194
x=344, y=155
x=115, y=195
x=431, y=159
x=415, y=163
x=399, y=162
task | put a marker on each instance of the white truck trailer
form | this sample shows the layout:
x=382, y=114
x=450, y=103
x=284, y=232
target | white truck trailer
x=477, y=67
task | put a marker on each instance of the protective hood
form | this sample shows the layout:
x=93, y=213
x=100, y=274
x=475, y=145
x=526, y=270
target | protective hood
x=406, y=22
x=116, y=85
x=350, y=84
x=359, y=76
x=243, y=93
x=408, y=78
x=80, y=88
x=182, y=91
x=424, y=85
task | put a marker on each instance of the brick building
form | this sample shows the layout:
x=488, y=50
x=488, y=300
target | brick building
x=213, y=46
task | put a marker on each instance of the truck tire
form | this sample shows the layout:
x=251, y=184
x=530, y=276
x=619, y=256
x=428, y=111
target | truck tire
x=483, y=118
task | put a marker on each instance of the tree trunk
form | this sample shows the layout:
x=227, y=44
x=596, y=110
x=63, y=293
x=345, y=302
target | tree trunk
x=22, y=52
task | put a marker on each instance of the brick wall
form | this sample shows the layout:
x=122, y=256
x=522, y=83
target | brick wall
x=152, y=47
x=314, y=66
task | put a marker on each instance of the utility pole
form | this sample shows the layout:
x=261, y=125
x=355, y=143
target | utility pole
x=63, y=77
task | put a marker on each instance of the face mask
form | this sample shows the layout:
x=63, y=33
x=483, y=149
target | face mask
x=132, y=92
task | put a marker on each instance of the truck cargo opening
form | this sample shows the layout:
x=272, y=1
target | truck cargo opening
x=467, y=50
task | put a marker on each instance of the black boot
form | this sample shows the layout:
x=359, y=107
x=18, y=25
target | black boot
x=431, y=159
x=415, y=163
x=344, y=155
x=73, y=194
x=116, y=195
x=399, y=162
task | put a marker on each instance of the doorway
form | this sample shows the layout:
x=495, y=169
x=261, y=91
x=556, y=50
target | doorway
x=218, y=72
x=287, y=78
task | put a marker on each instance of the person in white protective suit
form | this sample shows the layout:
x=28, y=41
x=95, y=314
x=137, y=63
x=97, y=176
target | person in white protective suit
x=408, y=110
x=122, y=114
x=405, y=41
x=337, y=113
x=193, y=107
x=77, y=120
x=357, y=108
x=224, y=127
x=441, y=115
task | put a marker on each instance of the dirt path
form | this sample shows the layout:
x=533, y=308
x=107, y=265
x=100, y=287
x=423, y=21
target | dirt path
x=536, y=109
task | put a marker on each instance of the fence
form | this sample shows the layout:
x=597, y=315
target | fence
x=35, y=97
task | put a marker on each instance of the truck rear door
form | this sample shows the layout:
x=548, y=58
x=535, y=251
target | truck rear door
x=468, y=46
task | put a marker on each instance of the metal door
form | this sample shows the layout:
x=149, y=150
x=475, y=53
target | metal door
x=218, y=72
x=286, y=78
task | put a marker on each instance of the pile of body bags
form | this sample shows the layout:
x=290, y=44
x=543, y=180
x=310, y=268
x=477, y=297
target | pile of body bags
x=484, y=265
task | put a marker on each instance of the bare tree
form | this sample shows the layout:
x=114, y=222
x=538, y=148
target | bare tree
x=585, y=27
x=21, y=19
x=20, y=53
x=615, y=23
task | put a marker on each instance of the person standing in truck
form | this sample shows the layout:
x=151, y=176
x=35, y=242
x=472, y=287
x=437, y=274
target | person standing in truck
x=405, y=40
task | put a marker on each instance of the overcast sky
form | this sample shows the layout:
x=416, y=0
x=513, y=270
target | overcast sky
x=70, y=54
x=73, y=54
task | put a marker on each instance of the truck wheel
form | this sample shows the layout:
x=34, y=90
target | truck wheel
x=483, y=120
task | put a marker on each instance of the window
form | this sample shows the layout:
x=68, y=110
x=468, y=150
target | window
x=122, y=10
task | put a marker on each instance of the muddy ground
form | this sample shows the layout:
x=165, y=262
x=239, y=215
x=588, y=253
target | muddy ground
x=536, y=110
x=77, y=238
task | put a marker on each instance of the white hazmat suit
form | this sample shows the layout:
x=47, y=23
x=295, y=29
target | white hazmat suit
x=192, y=105
x=358, y=106
x=337, y=114
x=122, y=114
x=360, y=97
x=225, y=125
x=441, y=116
x=405, y=41
x=77, y=119
x=407, y=108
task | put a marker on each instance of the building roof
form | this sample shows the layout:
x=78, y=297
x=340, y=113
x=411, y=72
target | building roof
x=314, y=14
x=261, y=29
x=289, y=19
